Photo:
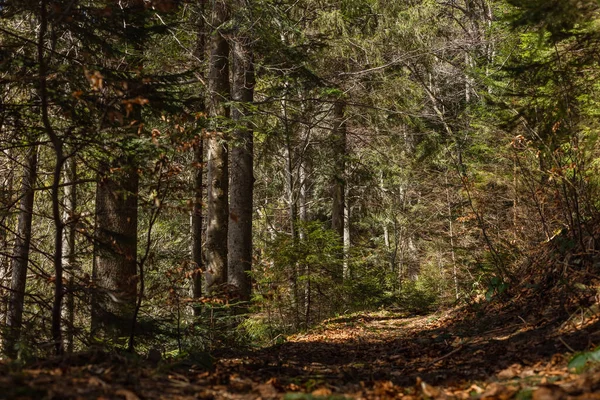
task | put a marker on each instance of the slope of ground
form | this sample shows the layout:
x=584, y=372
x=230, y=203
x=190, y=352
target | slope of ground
x=493, y=353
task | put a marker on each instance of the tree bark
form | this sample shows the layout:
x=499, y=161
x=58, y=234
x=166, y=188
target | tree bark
x=239, y=240
x=20, y=259
x=339, y=178
x=338, y=184
x=115, y=268
x=69, y=237
x=196, y=218
x=217, y=163
x=6, y=203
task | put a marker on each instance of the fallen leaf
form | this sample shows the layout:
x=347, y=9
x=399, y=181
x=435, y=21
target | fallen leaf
x=510, y=372
x=549, y=392
x=496, y=391
x=267, y=391
x=128, y=394
x=321, y=392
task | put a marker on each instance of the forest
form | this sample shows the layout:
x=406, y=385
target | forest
x=299, y=199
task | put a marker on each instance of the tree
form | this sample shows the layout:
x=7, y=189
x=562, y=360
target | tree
x=115, y=253
x=217, y=158
x=20, y=257
x=198, y=166
x=239, y=239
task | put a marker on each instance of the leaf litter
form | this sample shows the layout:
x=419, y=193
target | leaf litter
x=494, y=352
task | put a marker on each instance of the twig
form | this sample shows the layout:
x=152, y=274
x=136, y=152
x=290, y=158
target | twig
x=566, y=345
x=445, y=356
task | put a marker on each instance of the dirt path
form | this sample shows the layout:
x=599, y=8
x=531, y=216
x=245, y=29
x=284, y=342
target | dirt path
x=372, y=356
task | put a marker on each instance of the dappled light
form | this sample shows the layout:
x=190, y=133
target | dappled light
x=300, y=199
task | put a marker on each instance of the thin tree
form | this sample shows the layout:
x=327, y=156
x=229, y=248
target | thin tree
x=196, y=218
x=217, y=162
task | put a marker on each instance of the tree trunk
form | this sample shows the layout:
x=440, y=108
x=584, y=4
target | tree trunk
x=57, y=144
x=115, y=268
x=339, y=184
x=197, y=225
x=196, y=218
x=242, y=176
x=218, y=171
x=20, y=259
x=346, y=264
x=69, y=236
x=6, y=200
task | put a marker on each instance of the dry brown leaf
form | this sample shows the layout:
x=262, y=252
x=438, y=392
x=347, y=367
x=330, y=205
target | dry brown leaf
x=549, y=392
x=128, y=394
x=497, y=391
x=267, y=391
x=430, y=391
x=510, y=372
x=95, y=381
x=321, y=392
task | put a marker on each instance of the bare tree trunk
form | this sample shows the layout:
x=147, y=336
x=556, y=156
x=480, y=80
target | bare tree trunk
x=6, y=203
x=69, y=237
x=338, y=184
x=303, y=181
x=196, y=225
x=57, y=145
x=451, y=233
x=20, y=259
x=115, y=269
x=115, y=252
x=346, y=263
x=218, y=171
x=290, y=188
x=196, y=218
x=339, y=178
x=242, y=175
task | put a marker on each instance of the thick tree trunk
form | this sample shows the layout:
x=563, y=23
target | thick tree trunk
x=239, y=239
x=20, y=259
x=115, y=268
x=218, y=171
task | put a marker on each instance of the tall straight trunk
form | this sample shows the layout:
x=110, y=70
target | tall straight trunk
x=57, y=145
x=239, y=240
x=338, y=184
x=346, y=263
x=217, y=163
x=339, y=178
x=69, y=237
x=451, y=234
x=196, y=218
x=14, y=316
x=290, y=188
x=291, y=199
x=115, y=268
x=303, y=181
x=196, y=222
x=6, y=199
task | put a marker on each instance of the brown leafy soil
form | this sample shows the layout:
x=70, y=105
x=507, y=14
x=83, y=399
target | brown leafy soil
x=519, y=350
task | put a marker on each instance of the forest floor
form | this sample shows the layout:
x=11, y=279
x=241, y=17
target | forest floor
x=491, y=351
